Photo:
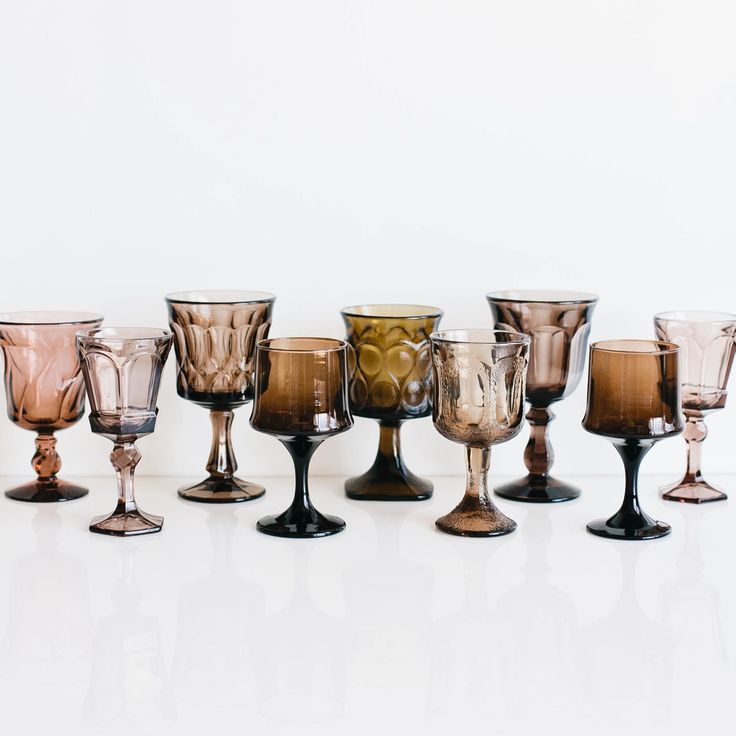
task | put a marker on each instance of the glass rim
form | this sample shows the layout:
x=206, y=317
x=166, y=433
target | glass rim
x=441, y=336
x=427, y=312
x=70, y=318
x=563, y=296
x=715, y=316
x=668, y=347
x=210, y=296
x=114, y=334
x=335, y=345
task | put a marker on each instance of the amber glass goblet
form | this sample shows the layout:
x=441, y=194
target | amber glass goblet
x=392, y=383
x=633, y=400
x=44, y=390
x=301, y=398
x=558, y=323
x=707, y=341
x=216, y=332
x=478, y=402
x=122, y=371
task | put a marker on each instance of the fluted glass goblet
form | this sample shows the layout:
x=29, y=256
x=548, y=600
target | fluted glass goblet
x=707, y=342
x=634, y=401
x=558, y=323
x=216, y=332
x=301, y=398
x=44, y=391
x=122, y=371
x=478, y=402
x=392, y=383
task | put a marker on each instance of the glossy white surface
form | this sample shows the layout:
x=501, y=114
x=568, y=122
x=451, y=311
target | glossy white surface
x=210, y=627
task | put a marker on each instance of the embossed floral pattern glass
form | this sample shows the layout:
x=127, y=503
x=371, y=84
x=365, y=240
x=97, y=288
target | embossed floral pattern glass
x=392, y=383
x=216, y=332
x=122, y=372
x=44, y=391
x=301, y=398
x=478, y=402
x=558, y=323
x=634, y=401
x=707, y=341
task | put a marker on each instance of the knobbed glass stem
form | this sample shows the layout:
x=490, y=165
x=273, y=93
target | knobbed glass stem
x=221, y=462
x=46, y=461
x=538, y=455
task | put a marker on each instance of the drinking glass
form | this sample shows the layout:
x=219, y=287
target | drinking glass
x=392, y=383
x=301, y=398
x=215, y=336
x=634, y=401
x=44, y=391
x=478, y=402
x=558, y=323
x=122, y=371
x=706, y=341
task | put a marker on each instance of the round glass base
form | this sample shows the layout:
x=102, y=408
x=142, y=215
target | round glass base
x=222, y=490
x=318, y=525
x=475, y=524
x=127, y=524
x=372, y=486
x=538, y=489
x=699, y=492
x=38, y=491
x=602, y=528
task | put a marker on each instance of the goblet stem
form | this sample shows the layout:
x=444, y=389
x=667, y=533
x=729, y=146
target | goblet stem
x=46, y=461
x=124, y=457
x=538, y=455
x=221, y=463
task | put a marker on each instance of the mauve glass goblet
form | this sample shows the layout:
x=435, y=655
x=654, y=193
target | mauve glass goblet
x=392, y=383
x=122, y=371
x=478, y=402
x=301, y=398
x=216, y=332
x=634, y=401
x=558, y=323
x=44, y=390
x=707, y=341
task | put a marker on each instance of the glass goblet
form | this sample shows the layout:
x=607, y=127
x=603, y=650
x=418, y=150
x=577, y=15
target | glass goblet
x=301, y=398
x=216, y=332
x=634, y=401
x=478, y=402
x=122, y=371
x=392, y=383
x=558, y=323
x=707, y=342
x=44, y=390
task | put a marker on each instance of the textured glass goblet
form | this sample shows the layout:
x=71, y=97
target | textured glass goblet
x=301, y=398
x=44, y=391
x=707, y=341
x=392, y=383
x=216, y=332
x=558, y=323
x=633, y=400
x=478, y=402
x=122, y=372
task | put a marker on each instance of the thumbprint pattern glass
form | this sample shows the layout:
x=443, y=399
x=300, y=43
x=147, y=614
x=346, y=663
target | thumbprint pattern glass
x=301, y=398
x=45, y=391
x=122, y=371
x=392, y=383
x=558, y=323
x=215, y=337
x=478, y=402
x=634, y=401
x=706, y=341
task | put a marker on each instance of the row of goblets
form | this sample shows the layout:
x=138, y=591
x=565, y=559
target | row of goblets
x=394, y=366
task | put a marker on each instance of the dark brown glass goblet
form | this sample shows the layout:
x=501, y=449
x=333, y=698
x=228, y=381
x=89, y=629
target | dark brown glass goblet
x=558, y=323
x=301, y=398
x=216, y=332
x=392, y=383
x=633, y=400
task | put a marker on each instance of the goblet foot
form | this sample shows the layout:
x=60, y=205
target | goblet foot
x=475, y=522
x=302, y=525
x=388, y=486
x=538, y=489
x=695, y=492
x=38, y=491
x=127, y=523
x=649, y=529
x=222, y=490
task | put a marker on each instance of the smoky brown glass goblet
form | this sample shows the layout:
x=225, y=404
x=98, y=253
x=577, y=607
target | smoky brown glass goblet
x=392, y=383
x=216, y=332
x=45, y=391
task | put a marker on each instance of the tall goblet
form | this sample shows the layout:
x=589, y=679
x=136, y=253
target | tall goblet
x=707, y=343
x=44, y=390
x=122, y=371
x=558, y=323
x=392, y=383
x=478, y=402
x=301, y=398
x=216, y=332
x=633, y=400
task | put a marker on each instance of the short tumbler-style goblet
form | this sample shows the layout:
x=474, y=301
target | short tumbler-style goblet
x=392, y=383
x=122, y=371
x=558, y=323
x=44, y=390
x=707, y=342
x=478, y=402
x=634, y=401
x=301, y=398
x=216, y=332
